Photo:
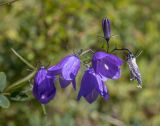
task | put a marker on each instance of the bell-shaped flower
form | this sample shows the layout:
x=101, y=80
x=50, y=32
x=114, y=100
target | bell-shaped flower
x=92, y=86
x=67, y=68
x=43, y=88
x=106, y=65
x=106, y=29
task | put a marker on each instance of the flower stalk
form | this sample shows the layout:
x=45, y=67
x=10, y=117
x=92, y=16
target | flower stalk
x=19, y=83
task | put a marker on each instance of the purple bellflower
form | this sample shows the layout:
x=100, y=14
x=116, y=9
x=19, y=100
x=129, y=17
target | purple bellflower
x=67, y=68
x=91, y=86
x=106, y=29
x=106, y=65
x=43, y=88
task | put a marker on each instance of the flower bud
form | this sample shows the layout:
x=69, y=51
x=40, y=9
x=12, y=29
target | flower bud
x=106, y=29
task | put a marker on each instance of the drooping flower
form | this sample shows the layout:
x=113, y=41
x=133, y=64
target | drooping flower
x=106, y=65
x=92, y=86
x=43, y=88
x=106, y=28
x=67, y=68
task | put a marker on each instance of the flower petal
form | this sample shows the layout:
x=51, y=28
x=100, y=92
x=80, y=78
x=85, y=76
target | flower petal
x=87, y=84
x=43, y=90
x=40, y=75
x=101, y=88
x=54, y=70
x=74, y=83
x=71, y=67
x=117, y=75
x=91, y=86
x=114, y=59
x=103, y=55
x=64, y=83
x=107, y=69
x=106, y=65
x=92, y=96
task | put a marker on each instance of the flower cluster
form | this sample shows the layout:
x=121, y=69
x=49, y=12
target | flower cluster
x=67, y=69
x=103, y=66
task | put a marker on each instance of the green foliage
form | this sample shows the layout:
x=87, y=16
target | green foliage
x=2, y=81
x=43, y=32
x=4, y=102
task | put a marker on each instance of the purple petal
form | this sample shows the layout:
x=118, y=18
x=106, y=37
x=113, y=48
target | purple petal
x=43, y=88
x=92, y=96
x=88, y=84
x=40, y=75
x=101, y=88
x=74, y=83
x=64, y=83
x=106, y=97
x=54, y=70
x=117, y=75
x=112, y=58
x=70, y=67
x=106, y=65
x=91, y=86
x=108, y=69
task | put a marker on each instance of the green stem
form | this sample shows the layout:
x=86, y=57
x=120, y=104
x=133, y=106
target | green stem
x=20, y=82
x=44, y=109
x=87, y=51
x=21, y=58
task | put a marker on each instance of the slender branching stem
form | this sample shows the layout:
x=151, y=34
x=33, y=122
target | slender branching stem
x=23, y=60
x=87, y=51
x=123, y=49
x=19, y=83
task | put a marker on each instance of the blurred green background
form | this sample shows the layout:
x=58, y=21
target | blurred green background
x=47, y=30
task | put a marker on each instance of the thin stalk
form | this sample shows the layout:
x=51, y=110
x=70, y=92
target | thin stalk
x=19, y=83
x=87, y=51
x=25, y=61
x=107, y=46
x=44, y=109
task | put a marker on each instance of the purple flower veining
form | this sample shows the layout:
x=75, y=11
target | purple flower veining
x=67, y=68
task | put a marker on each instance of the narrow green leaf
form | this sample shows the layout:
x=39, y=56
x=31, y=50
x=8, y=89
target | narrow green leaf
x=4, y=102
x=2, y=81
x=19, y=83
x=22, y=59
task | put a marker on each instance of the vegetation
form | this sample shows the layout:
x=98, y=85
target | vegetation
x=43, y=32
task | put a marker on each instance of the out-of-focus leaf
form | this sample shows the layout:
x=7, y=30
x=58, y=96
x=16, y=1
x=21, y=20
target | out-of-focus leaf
x=2, y=81
x=4, y=102
x=19, y=96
